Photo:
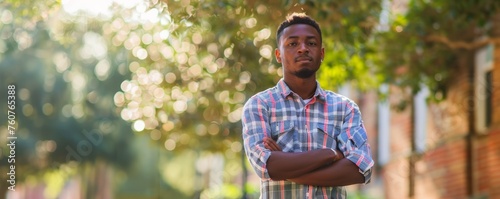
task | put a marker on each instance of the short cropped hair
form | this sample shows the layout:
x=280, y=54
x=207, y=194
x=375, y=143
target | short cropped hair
x=297, y=18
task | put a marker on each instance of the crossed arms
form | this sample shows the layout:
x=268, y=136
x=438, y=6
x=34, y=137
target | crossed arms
x=317, y=167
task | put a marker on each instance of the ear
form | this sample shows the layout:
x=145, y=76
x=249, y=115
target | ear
x=277, y=53
x=322, y=54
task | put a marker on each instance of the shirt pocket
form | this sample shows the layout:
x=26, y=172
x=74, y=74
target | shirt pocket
x=324, y=136
x=283, y=133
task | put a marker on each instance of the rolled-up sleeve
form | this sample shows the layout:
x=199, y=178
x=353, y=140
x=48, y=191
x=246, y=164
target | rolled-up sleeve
x=255, y=128
x=352, y=141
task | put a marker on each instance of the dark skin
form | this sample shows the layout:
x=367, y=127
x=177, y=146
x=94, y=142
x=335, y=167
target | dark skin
x=301, y=53
x=299, y=49
x=317, y=167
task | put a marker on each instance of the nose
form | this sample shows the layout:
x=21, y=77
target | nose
x=303, y=48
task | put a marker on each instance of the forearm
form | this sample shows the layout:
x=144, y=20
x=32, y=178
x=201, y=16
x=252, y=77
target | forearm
x=281, y=165
x=341, y=173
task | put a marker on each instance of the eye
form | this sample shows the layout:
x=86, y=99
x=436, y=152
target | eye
x=312, y=43
x=292, y=44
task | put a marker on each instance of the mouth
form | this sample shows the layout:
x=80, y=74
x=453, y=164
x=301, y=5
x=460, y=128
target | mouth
x=303, y=59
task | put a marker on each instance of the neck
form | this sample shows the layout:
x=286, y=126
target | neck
x=305, y=88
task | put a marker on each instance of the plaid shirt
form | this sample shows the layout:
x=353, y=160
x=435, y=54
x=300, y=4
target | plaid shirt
x=329, y=120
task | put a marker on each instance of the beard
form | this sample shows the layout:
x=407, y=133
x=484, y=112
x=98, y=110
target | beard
x=305, y=73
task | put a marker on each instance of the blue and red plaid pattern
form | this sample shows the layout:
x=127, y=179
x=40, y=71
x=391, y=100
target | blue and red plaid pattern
x=329, y=120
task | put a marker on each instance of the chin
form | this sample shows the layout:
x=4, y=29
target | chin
x=305, y=73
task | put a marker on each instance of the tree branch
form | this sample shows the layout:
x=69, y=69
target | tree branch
x=456, y=45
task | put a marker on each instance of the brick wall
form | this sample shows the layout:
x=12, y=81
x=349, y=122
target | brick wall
x=396, y=172
x=441, y=171
x=487, y=165
x=496, y=87
x=395, y=175
x=369, y=112
x=493, y=140
x=494, y=163
x=481, y=178
x=487, y=147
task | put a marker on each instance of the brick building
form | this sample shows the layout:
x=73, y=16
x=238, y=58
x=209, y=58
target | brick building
x=449, y=149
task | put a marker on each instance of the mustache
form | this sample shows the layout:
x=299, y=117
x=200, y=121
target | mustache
x=303, y=57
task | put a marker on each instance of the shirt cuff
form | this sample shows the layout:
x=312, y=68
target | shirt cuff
x=264, y=156
x=367, y=174
x=364, y=163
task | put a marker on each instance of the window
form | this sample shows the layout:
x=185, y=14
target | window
x=483, y=86
x=489, y=95
x=384, y=124
x=420, y=117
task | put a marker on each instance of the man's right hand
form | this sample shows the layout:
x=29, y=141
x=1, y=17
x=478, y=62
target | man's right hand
x=270, y=144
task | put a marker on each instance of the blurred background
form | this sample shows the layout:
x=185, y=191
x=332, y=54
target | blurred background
x=142, y=99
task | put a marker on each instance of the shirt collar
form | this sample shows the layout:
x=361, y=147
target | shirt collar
x=286, y=91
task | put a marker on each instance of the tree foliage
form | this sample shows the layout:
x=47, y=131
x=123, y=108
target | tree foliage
x=180, y=71
x=431, y=42
x=218, y=53
x=194, y=63
x=64, y=104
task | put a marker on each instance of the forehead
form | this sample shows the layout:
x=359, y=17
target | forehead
x=300, y=30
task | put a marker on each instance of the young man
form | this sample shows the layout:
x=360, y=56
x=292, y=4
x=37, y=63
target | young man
x=301, y=140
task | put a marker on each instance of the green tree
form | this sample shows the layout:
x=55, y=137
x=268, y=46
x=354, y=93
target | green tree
x=432, y=42
x=213, y=55
x=64, y=98
x=192, y=65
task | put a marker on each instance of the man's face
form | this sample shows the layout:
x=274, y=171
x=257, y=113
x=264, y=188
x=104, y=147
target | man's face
x=300, y=51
